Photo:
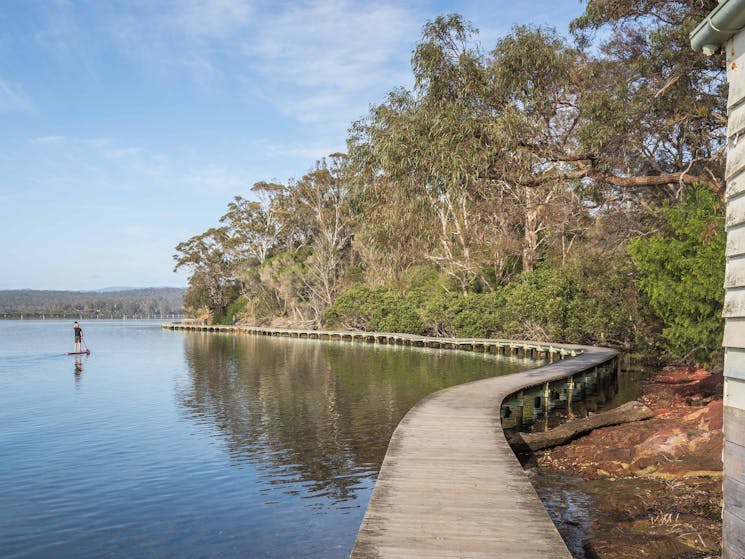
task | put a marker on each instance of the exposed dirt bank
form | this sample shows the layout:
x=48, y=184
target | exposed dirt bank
x=651, y=488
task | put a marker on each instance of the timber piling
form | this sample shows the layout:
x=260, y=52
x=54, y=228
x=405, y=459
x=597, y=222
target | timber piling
x=553, y=352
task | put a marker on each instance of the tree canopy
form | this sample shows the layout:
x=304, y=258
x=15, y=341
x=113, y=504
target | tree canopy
x=500, y=195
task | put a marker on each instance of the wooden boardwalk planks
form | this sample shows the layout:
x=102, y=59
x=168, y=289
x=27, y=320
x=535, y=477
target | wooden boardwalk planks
x=450, y=485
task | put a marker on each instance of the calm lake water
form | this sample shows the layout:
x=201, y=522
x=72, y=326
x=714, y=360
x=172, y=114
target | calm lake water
x=170, y=444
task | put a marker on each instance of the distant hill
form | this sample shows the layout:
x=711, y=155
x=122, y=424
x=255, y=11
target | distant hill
x=153, y=302
x=110, y=289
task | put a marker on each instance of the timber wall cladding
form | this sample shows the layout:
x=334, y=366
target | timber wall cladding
x=734, y=302
x=734, y=482
x=733, y=515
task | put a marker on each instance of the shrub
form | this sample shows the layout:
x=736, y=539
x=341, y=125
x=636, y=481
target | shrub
x=480, y=315
x=380, y=310
x=681, y=270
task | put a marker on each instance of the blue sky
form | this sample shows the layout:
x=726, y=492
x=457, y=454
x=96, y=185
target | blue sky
x=126, y=126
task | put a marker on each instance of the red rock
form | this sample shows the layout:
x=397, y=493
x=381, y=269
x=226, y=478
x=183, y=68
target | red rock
x=682, y=439
x=709, y=418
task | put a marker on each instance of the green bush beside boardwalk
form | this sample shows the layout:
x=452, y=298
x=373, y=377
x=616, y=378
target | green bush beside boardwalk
x=663, y=299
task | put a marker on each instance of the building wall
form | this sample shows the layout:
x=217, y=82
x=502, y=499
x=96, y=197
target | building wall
x=733, y=514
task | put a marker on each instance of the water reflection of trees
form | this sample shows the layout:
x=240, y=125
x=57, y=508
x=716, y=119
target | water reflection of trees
x=317, y=414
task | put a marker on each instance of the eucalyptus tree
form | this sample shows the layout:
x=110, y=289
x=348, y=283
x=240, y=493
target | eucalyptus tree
x=320, y=207
x=394, y=229
x=254, y=228
x=467, y=149
x=389, y=237
x=428, y=148
x=537, y=81
x=656, y=115
x=206, y=257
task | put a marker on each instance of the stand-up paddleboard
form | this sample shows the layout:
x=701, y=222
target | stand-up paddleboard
x=84, y=352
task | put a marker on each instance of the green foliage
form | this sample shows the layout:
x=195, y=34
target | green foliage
x=607, y=309
x=380, y=310
x=197, y=297
x=586, y=303
x=591, y=301
x=233, y=312
x=479, y=315
x=653, y=103
x=539, y=305
x=496, y=197
x=681, y=270
x=417, y=312
x=206, y=255
x=533, y=66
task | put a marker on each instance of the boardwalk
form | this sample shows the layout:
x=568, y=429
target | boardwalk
x=502, y=347
x=450, y=485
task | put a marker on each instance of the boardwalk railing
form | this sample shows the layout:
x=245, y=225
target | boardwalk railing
x=450, y=485
x=534, y=350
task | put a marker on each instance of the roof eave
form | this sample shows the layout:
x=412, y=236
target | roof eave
x=722, y=23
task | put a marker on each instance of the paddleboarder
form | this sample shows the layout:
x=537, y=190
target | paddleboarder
x=78, y=336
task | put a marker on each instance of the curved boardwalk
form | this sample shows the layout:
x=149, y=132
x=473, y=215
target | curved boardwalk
x=450, y=485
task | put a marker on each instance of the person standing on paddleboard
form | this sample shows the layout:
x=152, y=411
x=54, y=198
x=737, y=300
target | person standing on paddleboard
x=78, y=336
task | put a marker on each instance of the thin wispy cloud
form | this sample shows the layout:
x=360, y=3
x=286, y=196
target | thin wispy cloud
x=13, y=98
x=294, y=55
x=306, y=151
x=134, y=166
x=210, y=19
x=342, y=45
x=318, y=57
x=99, y=149
x=48, y=140
x=217, y=179
x=192, y=36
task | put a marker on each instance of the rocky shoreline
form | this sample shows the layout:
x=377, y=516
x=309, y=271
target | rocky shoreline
x=649, y=488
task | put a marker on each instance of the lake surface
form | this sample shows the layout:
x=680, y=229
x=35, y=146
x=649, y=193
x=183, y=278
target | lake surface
x=177, y=444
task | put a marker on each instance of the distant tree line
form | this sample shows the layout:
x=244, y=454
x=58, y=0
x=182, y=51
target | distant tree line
x=135, y=303
x=552, y=187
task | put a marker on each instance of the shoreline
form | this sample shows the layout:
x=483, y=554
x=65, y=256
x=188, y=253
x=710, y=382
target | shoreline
x=648, y=488
x=626, y=491
x=477, y=484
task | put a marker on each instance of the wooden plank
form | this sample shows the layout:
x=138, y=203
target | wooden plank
x=734, y=363
x=734, y=275
x=734, y=462
x=734, y=333
x=736, y=183
x=734, y=303
x=734, y=497
x=735, y=158
x=734, y=393
x=734, y=426
x=734, y=418
x=735, y=67
x=733, y=536
x=735, y=241
x=450, y=485
x=736, y=206
x=736, y=123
